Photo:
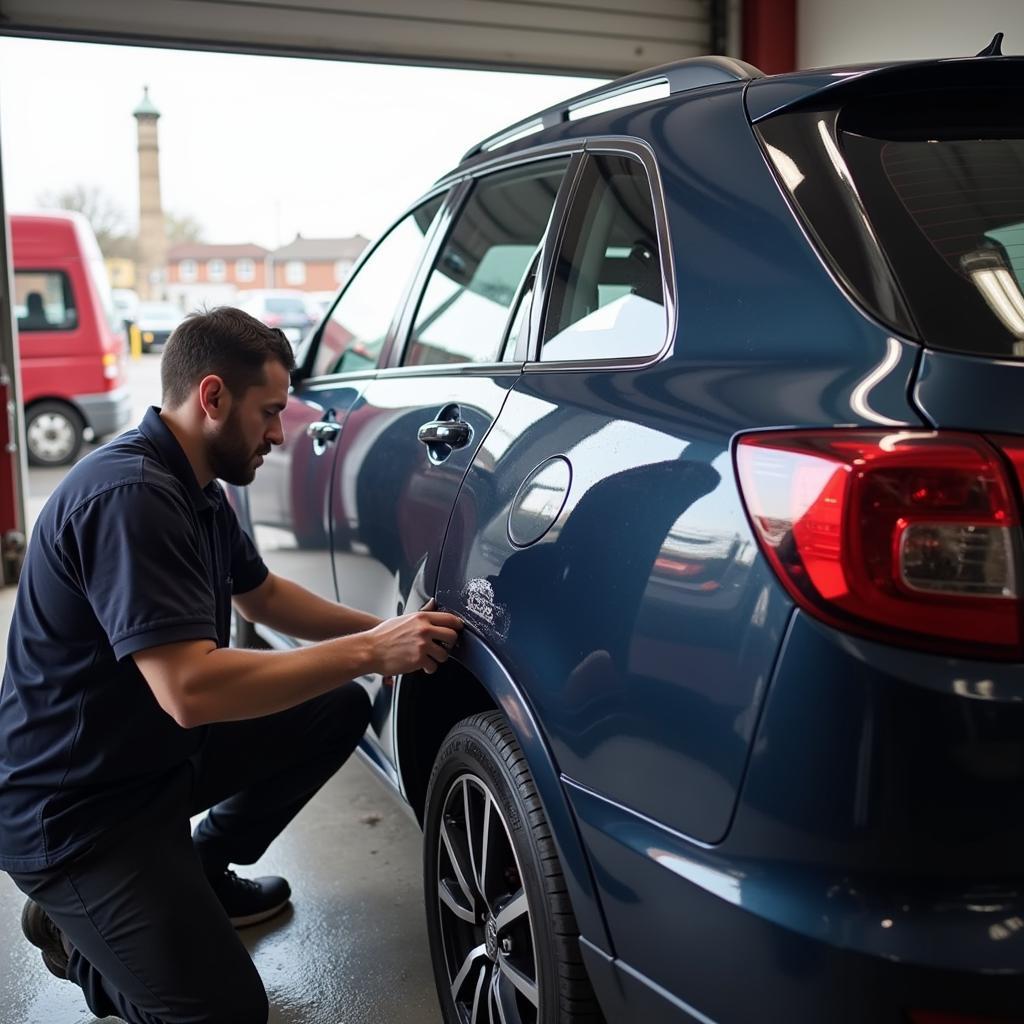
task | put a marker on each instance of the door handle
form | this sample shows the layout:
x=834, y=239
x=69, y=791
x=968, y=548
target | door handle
x=323, y=430
x=453, y=433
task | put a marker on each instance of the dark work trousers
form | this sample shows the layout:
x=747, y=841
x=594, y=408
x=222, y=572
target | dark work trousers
x=151, y=943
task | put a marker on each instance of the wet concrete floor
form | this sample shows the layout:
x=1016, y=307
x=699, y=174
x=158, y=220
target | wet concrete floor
x=351, y=950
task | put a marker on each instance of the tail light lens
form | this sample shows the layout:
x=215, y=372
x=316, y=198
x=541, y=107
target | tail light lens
x=910, y=538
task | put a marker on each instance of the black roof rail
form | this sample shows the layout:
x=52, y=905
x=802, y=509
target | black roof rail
x=680, y=75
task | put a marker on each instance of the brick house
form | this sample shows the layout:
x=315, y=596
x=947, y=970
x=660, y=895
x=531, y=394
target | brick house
x=200, y=273
x=314, y=264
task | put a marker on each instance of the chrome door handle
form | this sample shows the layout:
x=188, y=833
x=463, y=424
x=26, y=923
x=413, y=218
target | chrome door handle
x=453, y=433
x=323, y=433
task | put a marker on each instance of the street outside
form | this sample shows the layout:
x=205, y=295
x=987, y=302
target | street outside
x=352, y=949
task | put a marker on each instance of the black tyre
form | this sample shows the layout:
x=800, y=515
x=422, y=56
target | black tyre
x=503, y=938
x=53, y=434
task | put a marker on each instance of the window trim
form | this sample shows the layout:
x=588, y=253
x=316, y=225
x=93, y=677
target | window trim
x=307, y=357
x=250, y=264
x=644, y=155
x=192, y=275
x=67, y=288
x=572, y=149
x=294, y=272
x=223, y=264
x=467, y=187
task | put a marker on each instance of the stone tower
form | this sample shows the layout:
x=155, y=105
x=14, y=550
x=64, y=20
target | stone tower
x=152, y=257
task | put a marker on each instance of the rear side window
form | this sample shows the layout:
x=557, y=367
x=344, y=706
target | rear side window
x=44, y=301
x=464, y=312
x=941, y=185
x=355, y=331
x=607, y=298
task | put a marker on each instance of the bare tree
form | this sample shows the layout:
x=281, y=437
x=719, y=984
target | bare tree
x=103, y=213
x=182, y=228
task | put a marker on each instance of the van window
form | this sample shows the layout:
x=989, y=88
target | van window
x=44, y=301
x=354, y=332
x=465, y=305
x=607, y=299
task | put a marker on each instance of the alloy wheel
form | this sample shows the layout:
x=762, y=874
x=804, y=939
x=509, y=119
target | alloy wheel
x=486, y=929
x=51, y=437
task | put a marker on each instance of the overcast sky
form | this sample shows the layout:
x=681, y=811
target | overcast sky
x=255, y=148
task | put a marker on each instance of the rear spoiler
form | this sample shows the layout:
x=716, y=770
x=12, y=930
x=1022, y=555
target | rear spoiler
x=832, y=87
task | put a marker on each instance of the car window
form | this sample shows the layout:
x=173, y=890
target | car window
x=607, y=299
x=286, y=305
x=44, y=301
x=465, y=305
x=354, y=333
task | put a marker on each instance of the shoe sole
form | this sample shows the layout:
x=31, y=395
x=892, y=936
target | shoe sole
x=263, y=915
x=30, y=927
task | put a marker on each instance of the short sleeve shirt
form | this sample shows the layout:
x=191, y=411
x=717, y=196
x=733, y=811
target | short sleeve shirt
x=128, y=553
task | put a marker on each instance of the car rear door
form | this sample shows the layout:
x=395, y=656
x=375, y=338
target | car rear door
x=416, y=427
x=289, y=499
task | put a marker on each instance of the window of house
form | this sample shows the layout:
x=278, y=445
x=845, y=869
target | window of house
x=355, y=331
x=463, y=315
x=188, y=270
x=215, y=270
x=295, y=272
x=607, y=298
x=341, y=269
x=245, y=270
x=44, y=301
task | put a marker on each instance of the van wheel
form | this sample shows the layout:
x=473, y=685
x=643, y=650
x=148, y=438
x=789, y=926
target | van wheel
x=53, y=433
x=503, y=938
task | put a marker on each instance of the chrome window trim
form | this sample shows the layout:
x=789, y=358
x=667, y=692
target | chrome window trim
x=639, y=150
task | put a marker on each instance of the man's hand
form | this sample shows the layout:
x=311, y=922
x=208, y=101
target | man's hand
x=415, y=641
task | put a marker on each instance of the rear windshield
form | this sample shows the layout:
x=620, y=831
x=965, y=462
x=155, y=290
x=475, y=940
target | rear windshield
x=940, y=178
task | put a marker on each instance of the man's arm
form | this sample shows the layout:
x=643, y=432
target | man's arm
x=293, y=610
x=197, y=683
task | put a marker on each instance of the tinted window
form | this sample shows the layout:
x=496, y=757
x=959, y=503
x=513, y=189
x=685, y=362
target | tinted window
x=43, y=301
x=607, y=299
x=465, y=307
x=358, y=325
x=942, y=184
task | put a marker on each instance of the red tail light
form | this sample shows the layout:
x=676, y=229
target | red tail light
x=909, y=538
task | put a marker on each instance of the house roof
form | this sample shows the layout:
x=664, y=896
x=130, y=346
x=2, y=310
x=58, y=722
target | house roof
x=212, y=251
x=314, y=250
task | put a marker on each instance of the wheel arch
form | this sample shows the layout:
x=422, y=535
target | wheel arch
x=473, y=681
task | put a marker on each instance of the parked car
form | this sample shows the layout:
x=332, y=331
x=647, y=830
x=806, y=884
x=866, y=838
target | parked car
x=704, y=413
x=279, y=308
x=126, y=306
x=70, y=340
x=156, y=320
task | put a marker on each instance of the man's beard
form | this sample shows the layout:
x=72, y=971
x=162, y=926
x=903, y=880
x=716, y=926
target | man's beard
x=230, y=457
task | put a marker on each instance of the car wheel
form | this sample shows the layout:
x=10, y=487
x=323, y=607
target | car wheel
x=503, y=938
x=53, y=434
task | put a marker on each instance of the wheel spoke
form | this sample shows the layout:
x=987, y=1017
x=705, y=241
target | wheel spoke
x=449, y=899
x=524, y=984
x=482, y=985
x=512, y=911
x=467, y=966
x=460, y=875
x=504, y=1002
x=484, y=846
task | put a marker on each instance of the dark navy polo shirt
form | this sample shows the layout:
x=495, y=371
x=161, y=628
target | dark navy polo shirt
x=128, y=553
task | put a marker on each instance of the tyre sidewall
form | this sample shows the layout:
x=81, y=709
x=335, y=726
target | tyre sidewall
x=469, y=749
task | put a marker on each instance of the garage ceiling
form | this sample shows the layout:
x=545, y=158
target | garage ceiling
x=594, y=37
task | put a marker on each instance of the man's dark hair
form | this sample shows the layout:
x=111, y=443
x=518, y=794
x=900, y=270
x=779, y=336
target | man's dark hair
x=223, y=341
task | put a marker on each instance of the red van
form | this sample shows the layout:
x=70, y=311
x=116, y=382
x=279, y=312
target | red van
x=71, y=345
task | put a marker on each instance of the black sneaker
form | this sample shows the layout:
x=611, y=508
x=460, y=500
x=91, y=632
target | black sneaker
x=250, y=900
x=40, y=930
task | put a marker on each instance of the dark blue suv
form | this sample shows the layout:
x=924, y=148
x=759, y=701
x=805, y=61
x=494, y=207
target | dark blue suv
x=699, y=397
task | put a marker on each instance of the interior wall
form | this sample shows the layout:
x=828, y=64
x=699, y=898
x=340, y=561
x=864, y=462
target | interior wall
x=839, y=32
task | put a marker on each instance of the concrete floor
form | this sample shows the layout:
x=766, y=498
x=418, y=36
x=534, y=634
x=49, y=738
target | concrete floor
x=353, y=947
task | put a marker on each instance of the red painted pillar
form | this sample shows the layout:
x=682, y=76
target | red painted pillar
x=769, y=35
